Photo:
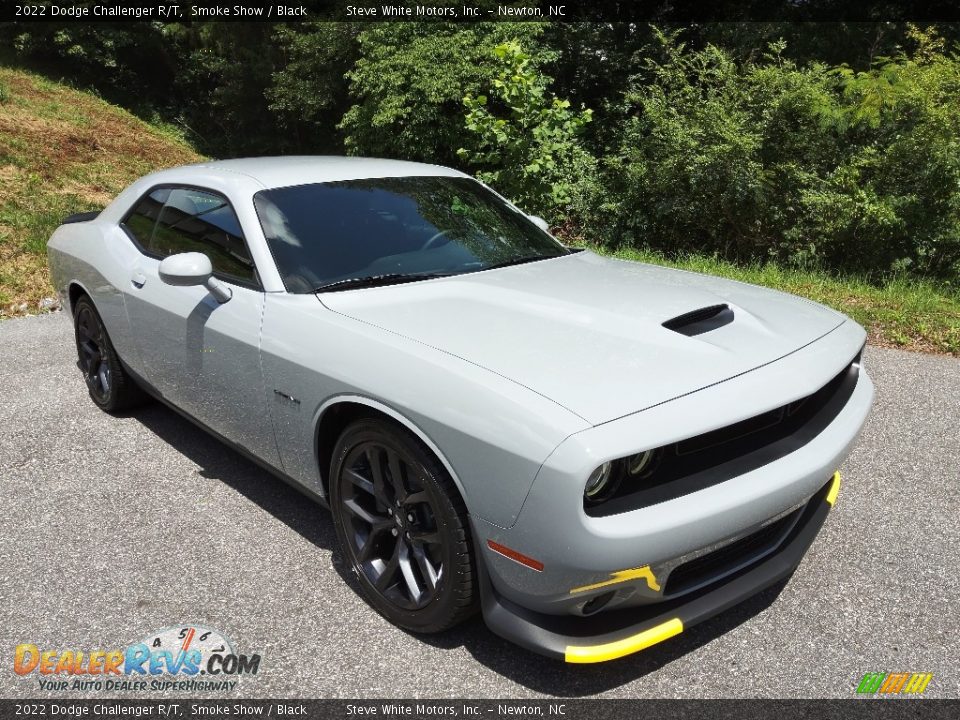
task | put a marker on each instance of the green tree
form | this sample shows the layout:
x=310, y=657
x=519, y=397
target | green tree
x=222, y=88
x=409, y=82
x=524, y=139
x=308, y=94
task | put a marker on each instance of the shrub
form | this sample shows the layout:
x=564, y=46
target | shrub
x=524, y=139
x=409, y=81
x=808, y=164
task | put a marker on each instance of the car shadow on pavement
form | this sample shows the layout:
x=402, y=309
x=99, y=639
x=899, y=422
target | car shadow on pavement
x=313, y=522
x=220, y=462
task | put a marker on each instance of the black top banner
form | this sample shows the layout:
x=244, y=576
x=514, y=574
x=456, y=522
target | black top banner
x=660, y=11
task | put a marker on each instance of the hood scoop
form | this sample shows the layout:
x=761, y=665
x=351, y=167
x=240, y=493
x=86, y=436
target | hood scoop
x=697, y=322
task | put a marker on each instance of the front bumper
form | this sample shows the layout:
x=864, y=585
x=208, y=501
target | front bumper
x=615, y=634
x=645, y=554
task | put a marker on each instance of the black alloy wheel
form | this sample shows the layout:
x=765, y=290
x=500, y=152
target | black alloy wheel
x=107, y=382
x=402, y=525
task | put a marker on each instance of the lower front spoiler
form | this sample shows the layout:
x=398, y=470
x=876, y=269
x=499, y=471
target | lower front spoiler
x=607, y=636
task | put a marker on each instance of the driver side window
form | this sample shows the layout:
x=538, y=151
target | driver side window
x=177, y=220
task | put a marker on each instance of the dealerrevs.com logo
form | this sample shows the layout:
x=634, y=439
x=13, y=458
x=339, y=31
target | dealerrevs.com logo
x=190, y=658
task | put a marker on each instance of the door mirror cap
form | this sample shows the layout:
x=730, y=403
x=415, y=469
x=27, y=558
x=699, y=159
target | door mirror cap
x=193, y=268
x=540, y=222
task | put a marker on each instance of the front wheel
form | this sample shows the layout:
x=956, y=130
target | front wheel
x=403, y=527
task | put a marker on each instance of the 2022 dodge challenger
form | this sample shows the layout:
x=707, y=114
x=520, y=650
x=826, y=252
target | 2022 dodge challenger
x=597, y=453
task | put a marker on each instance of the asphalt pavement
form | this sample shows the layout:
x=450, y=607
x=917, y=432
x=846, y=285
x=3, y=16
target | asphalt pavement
x=115, y=527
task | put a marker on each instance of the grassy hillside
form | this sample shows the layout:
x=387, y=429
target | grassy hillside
x=61, y=151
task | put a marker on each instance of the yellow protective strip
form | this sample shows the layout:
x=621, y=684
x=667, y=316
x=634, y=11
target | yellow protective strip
x=622, y=576
x=834, y=489
x=620, y=648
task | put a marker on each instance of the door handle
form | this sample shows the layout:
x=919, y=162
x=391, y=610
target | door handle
x=138, y=280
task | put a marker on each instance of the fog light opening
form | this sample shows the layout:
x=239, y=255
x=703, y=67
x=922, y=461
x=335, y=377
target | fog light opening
x=596, y=604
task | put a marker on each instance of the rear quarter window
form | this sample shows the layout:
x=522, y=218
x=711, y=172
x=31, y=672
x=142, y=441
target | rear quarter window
x=141, y=221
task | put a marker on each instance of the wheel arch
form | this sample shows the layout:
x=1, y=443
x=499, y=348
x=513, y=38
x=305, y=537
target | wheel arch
x=75, y=290
x=337, y=413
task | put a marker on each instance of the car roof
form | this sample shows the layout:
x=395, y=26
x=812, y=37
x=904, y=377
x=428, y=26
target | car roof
x=273, y=172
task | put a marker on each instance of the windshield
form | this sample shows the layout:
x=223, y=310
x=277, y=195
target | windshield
x=330, y=235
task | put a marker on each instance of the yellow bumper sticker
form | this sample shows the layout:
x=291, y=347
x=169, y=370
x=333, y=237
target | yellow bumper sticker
x=627, y=646
x=834, y=488
x=622, y=576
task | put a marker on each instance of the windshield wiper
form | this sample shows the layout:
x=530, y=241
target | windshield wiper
x=520, y=261
x=376, y=281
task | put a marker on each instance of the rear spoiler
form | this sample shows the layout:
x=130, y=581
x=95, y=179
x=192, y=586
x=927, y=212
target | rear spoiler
x=80, y=217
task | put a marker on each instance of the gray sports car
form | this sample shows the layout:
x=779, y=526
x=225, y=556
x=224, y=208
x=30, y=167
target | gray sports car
x=596, y=453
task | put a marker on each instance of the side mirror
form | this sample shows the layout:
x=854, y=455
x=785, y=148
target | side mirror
x=193, y=268
x=539, y=222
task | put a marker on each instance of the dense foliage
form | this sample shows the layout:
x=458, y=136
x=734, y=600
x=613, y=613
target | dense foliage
x=807, y=164
x=525, y=140
x=408, y=86
x=834, y=145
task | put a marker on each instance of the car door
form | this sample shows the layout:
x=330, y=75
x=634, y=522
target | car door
x=201, y=355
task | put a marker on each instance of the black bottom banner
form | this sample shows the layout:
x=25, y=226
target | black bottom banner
x=186, y=709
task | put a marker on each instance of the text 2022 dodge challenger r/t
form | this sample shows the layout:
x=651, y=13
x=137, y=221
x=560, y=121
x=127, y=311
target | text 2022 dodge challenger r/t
x=597, y=453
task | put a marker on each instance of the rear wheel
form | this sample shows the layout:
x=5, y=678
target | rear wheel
x=108, y=384
x=403, y=527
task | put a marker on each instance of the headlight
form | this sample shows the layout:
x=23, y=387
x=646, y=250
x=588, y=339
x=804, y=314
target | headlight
x=643, y=464
x=627, y=473
x=600, y=483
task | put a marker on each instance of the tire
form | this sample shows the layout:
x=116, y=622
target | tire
x=408, y=542
x=107, y=382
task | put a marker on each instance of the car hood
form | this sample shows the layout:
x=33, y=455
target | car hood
x=587, y=331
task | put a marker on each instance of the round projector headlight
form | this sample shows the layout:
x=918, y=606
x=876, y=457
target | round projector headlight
x=640, y=463
x=598, y=482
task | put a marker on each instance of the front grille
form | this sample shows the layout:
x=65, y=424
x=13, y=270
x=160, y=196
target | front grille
x=710, y=458
x=728, y=559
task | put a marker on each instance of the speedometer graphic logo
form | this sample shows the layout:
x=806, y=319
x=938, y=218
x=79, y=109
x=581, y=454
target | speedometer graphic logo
x=198, y=643
x=196, y=650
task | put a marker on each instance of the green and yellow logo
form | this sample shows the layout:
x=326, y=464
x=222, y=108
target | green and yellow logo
x=894, y=683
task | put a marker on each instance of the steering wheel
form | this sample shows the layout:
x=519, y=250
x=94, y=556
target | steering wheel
x=434, y=238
